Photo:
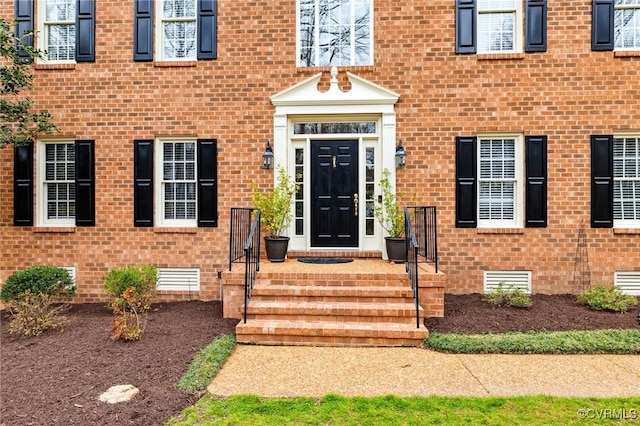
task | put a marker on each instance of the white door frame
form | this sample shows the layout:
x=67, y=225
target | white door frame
x=364, y=99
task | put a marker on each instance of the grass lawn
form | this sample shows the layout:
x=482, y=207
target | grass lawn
x=392, y=410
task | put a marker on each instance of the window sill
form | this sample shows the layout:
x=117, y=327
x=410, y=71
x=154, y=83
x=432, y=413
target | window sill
x=500, y=230
x=54, y=229
x=626, y=231
x=626, y=53
x=499, y=56
x=172, y=64
x=159, y=230
x=65, y=66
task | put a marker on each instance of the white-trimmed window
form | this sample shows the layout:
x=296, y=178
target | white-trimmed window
x=335, y=32
x=56, y=183
x=500, y=181
x=626, y=181
x=499, y=26
x=177, y=182
x=57, y=30
x=176, y=29
x=627, y=24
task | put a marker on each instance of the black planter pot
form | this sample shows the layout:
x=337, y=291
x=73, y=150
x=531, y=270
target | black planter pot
x=396, y=249
x=276, y=248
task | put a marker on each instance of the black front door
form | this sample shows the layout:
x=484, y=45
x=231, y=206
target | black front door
x=334, y=193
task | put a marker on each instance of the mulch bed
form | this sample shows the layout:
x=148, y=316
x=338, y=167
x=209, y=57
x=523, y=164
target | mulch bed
x=56, y=379
x=468, y=314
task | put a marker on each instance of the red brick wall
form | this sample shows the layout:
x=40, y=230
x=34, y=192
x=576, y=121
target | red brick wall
x=567, y=93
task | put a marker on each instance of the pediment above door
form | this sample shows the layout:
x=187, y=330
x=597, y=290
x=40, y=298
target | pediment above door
x=362, y=92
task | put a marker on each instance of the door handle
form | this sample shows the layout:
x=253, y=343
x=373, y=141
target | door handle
x=355, y=203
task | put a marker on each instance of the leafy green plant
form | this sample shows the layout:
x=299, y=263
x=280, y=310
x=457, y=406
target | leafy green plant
x=132, y=289
x=275, y=204
x=607, y=298
x=206, y=364
x=389, y=214
x=20, y=121
x=511, y=296
x=48, y=280
x=32, y=297
x=557, y=342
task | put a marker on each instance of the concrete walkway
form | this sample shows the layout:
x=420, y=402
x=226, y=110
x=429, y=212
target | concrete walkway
x=289, y=371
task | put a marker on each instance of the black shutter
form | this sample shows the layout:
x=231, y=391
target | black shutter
x=602, y=181
x=86, y=31
x=85, y=183
x=465, y=26
x=24, y=24
x=602, y=25
x=23, y=185
x=466, y=182
x=536, y=26
x=536, y=181
x=143, y=30
x=207, y=183
x=143, y=183
x=207, y=29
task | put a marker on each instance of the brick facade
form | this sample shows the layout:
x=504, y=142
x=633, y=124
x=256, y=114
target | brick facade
x=566, y=93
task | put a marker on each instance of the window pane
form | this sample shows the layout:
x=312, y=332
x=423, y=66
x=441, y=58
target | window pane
x=334, y=32
x=61, y=10
x=626, y=178
x=180, y=40
x=627, y=28
x=496, y=32
x=179, y=180
x=179, y=9
x=59, y=180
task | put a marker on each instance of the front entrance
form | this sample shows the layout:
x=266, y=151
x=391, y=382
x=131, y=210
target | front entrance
x=334, y=193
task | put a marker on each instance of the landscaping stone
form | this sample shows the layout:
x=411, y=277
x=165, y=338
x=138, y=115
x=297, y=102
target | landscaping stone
x=119, y=393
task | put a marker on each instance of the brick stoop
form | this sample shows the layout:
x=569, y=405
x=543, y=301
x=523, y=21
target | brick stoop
x=332, y=306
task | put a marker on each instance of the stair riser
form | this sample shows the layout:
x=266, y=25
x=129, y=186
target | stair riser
x=326, y=341
x=337, y=318
x=330, y=299
x=330, y=281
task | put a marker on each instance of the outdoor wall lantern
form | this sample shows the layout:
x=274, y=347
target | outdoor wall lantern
x=401, y=157
x=267, y=157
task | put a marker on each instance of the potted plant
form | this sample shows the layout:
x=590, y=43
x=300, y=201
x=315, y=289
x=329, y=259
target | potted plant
x=391, y=218
x=275, y=213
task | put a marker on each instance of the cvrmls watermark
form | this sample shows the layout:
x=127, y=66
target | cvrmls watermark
x=608, y=413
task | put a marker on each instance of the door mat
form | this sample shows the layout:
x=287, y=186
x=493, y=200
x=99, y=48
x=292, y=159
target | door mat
x=325, y=260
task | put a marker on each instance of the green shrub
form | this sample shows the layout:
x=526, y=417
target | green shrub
x=131, y=289
x=48, y=280
x=31, y=299
x=607, y=298
x=511, y=296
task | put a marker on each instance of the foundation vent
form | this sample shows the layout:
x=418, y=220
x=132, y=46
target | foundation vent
x=178, y=279
x=519, y=279
x=628, y=282
x=71, y=270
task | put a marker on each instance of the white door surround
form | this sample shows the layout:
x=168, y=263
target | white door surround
x=365, y=101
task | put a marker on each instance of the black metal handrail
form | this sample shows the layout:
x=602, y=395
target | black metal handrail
x=421, y=235
x=412, y=261
x=246, y=222
x=424, y=223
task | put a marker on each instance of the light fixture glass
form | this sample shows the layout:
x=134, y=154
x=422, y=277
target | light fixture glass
x=267, y=157
x=401, y=157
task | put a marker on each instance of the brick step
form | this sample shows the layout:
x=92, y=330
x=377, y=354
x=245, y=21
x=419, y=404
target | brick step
x=329, y=333
x=334, y=279
x=311, y=293
x=402, y=312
